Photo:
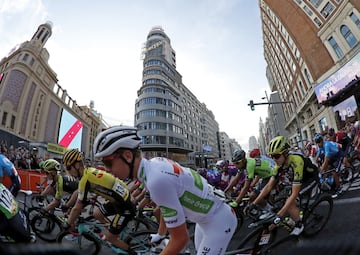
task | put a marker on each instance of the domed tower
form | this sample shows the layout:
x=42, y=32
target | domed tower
x=42, y=34
x=158, y=108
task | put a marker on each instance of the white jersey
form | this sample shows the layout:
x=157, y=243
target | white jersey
x=180, y=192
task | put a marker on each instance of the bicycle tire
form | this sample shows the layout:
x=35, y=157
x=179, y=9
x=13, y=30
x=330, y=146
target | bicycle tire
x=46, y=227
x=84, y=242
x=138, y=224
x=318, y=215
x=140, y=241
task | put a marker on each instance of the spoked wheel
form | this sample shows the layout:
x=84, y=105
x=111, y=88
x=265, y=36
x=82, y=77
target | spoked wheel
x=318, y=215
x=46, y=227
x=84, y=242
x=140, y=241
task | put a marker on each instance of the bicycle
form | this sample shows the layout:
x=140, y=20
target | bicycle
x=316, y=212
x=88, y=238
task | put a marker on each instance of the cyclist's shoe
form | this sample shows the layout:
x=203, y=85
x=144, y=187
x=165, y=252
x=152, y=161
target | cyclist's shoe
x=234, y=204
x=337, y=193
x=298, y=229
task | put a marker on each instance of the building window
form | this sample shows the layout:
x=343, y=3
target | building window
x=327, y=10
x=12, y=123
x=317, y=22
x=316, y=3
x=4, y=117
x=25, y=58
x=307, y=76
x=307, y=10
x=355, y=19
x=348, y=35
x=336, y=47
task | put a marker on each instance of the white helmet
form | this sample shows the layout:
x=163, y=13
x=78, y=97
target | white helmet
x=114, y=138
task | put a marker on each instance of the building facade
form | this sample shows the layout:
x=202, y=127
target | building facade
x=33, y=104
x=171, y=120
x=311, y=48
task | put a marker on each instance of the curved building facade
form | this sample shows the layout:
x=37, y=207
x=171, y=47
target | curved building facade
x=170, y=120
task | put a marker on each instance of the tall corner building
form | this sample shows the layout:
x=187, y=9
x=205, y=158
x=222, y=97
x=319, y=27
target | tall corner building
x=312, y=51
x=170, y=119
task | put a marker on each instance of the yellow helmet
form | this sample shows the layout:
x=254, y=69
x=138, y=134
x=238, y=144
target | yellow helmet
x=51, y=165
x=278, y=145
x=71, y=156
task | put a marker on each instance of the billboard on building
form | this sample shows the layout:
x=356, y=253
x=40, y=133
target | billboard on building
x=70, y=132
x=338, y=80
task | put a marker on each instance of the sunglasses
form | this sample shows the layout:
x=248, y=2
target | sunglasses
x=238, y=162
x=107, y=161
x=276, y=156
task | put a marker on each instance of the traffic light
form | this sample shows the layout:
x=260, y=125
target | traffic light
x=252, y=106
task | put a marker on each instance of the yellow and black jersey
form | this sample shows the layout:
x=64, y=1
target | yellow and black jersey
x=296, y=170
x=103, y=184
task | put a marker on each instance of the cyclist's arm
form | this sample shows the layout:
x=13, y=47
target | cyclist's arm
x=233, y=182
x=179, y=237
x=72, y=199
x=325, y=165
x=243, y=191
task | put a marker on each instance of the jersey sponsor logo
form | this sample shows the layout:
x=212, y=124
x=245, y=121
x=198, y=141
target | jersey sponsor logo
x=120, y=189
x=195, y=203
x=171, y=221
x=167, y=212
x=197, y=179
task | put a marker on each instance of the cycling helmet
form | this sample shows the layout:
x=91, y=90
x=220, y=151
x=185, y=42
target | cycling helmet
x=51, y=165
x=255, y=153
x=114, y=138
x=71, y=156
x=221, y=163
x=278, y=145
x=41, y=164
x=238, y=155
x=318, y=138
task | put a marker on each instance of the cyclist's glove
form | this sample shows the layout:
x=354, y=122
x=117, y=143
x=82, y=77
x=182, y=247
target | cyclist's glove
x=278, y=219
x=156, y=238
x=234, y=204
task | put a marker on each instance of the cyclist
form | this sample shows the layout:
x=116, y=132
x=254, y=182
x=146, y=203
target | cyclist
x=13, y=220
x=256, y=169
x=7, y=168
x=59, y=182
x=180, y=192
x=118, y=199
x=291, y=167
x=331, y=155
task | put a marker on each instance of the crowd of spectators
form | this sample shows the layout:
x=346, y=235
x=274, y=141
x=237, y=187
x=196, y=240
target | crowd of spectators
x=21, y=157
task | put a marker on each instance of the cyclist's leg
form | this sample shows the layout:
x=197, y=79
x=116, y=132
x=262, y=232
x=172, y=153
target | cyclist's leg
x=18, y=228
x=215, y=234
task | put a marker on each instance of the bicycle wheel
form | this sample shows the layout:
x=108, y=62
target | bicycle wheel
x=46, y=227
x=84, y=242
x=137, y=224
x=139, y=241
x=39, y=201
x=316, y=217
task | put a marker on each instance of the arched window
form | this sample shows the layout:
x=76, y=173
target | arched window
x=348, y=35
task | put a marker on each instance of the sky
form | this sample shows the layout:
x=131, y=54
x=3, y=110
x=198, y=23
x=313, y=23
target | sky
x=95, y=51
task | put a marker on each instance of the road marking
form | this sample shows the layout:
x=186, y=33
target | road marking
x=347, y=200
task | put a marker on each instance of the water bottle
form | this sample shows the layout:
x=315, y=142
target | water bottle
x=330, y=180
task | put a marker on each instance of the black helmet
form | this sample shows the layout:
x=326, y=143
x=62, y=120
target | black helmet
x=238, y=155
